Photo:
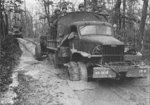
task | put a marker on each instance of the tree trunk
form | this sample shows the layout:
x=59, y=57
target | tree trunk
x=1, y=33
x=116, y=16
x=85, y=3
x=94, y=4
x=124, y=8
x=143, y=20
x=47, y=12
x=124, y=24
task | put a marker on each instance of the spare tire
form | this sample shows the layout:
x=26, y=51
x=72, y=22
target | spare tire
x=38, y=54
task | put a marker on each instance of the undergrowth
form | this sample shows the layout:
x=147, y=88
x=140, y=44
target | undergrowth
x=10, y=53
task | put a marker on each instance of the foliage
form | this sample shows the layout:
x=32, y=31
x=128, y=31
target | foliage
x=3, y=22
x=9, y=46
x=67, y=4
x=9, y=57
x=6, y=8
x=13, y=6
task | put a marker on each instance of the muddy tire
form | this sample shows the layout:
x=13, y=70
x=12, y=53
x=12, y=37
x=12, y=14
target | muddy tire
x=83, y=71
x=73, y=71
x=38, y=54
x=43, y=44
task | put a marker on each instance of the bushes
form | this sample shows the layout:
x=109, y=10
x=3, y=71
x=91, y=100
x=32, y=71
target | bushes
x=9, y=57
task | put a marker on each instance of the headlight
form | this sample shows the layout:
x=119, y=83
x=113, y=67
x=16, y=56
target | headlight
x=97, y=50
x=142, y=71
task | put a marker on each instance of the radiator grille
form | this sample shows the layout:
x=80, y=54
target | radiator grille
x=113, y=53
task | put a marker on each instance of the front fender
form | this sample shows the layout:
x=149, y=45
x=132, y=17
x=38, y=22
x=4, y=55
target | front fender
x=138, y=72
x=130, y=57
x=83, y=54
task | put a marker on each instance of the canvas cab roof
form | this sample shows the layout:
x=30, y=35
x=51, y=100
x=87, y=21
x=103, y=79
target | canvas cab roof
x=79, y=23
x=64, y=22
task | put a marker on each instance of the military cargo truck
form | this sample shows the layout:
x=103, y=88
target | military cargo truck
x=87, y=39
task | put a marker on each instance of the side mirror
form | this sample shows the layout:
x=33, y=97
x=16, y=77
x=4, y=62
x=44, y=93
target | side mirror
x=72, y=35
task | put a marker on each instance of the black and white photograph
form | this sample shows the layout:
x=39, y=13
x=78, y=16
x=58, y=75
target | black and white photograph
x=74, y=52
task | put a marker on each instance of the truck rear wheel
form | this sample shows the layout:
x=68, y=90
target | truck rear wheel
x=43, y=44
x=56, y=61
x=38, y=54
x=83, y=71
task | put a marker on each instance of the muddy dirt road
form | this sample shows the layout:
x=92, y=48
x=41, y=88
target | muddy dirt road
x=109, y=92
x=41, y=84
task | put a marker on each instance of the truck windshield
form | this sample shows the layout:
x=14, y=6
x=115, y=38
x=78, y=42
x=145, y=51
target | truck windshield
x=95, y=30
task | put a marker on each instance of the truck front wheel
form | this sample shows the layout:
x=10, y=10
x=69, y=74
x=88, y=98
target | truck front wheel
x=83, y=71
x=73, y=71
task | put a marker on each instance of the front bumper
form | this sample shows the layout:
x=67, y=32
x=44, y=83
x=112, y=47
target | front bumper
x=103, y=72
x=138, y=72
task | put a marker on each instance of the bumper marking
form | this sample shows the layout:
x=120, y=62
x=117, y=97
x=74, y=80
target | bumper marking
x=139, y=72
x=102, y=72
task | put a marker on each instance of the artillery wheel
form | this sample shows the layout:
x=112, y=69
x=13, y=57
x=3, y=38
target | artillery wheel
x=83, y=71
x=38, y=54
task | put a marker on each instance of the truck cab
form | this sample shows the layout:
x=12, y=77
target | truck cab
x=95, y=38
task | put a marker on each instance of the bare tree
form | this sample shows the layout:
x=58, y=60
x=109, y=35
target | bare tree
x=0, y=23
x=124, y=8
x=117, y=15
x=143, y=20
x=3, y=21
x=94, y=4
x=47, y=12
